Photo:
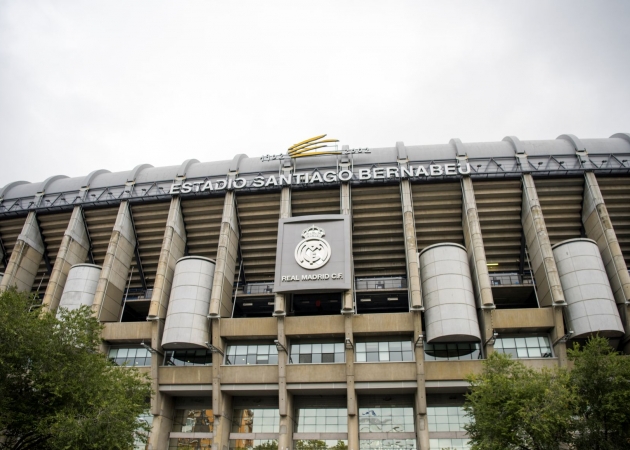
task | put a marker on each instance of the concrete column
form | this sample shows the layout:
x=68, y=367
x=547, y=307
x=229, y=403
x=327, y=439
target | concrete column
x=227, y=254
x=285, y=398
x=162, y=406
x=477, y=261
x=422, y=423
x=346, y=209
x=280, y=301
x=115, y=274
x=73, y=250
x=223, y=424
x=351, y=395
x=598, y=227
x=411, y=248
x=173, y=248
x=26, y=256
x=548, y=287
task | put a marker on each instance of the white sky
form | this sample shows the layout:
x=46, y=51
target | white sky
x=88, y=85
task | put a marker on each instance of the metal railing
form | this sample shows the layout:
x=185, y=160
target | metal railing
x=258, y=288
x=380, y=283
x=511, y=279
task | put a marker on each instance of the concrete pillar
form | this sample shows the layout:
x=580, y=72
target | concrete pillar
x=421, y=422
x=162, y=406
x=227, y=254
x=477, y=261
x=280, y=301
x=346, y=209
x=73, y=250
x=26, y=256
x=285, y=398
x=411, y=247
x=173, y=248
x=548, y=287
x=115, y=274
x=351, y=395
x=598, y=227
x=223, y=424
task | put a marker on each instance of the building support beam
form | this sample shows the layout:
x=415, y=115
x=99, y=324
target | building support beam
x=73, y=250
x=351, y=395
x=548, y=287
x=422, y=422
x=285, y=398
x=280, y=301
x=25, y=258
x=112, y=283
x=478, y=263
x=227, y=253
x=172, y=249
x=136, y=252
x=346, y=209
x=45, y=256
x=599, y=228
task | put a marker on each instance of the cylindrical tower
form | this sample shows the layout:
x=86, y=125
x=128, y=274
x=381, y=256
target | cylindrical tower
x=449, y=301
x=186, y=323
x=80, y=286
x=590, y=300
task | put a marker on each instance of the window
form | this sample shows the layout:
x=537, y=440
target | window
x=193, y=421
x=255, y=420
x=454, y=444
x=320, y=444
x=321, y=420
x=443, y=419
x=451, y=352
x=317, y=352
x=130, y=356
x=384, y=350
x=243, y=354
x=388, y=444
x=524, y=347
x=190, y=444
x=137, y=443
x=194, y=357
x=250, y=444
x=386, y=420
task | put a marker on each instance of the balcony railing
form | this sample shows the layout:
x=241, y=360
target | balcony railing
x=381, y=283
x=258, y=288
x=510, y=279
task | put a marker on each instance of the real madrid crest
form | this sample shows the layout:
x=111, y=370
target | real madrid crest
x=312, y=252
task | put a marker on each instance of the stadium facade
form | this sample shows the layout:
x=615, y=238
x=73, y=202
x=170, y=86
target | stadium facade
x=337, y=300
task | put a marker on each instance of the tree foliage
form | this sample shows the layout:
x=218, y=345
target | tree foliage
x=57, y=391
x=515, y=407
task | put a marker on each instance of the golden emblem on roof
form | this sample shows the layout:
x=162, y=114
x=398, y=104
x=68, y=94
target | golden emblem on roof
x=308, y=147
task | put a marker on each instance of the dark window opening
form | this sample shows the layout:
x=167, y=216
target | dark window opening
x=382, y=302
x=316, y=304
x=253, y=307
x=136, y=304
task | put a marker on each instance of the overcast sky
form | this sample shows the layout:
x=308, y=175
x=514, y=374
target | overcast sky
x=88, y=85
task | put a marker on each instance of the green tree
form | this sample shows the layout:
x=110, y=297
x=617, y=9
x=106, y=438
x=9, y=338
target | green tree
x=514, y=407
x=601, y=381
x=56, y=390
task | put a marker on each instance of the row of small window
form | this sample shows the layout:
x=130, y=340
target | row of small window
x=394, y=419
x=272, y=444
x=333, y=352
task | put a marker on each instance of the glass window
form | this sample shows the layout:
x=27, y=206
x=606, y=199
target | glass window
x=138, y=444
x=190, y=444
x=192, y=357
x=251, y=444
x=454, y=444
x=451, y=351
x=446, y=418
x=130, y=356
x=255, y=420
x=388, y=444
x=323, y=444
x=384, y=350
x=243, y=354
x=321, y=420
x=317, y=352
x=524, y=346
x=386, y=420
x=193, y=421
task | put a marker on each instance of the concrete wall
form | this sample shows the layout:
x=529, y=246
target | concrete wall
x=25, y=258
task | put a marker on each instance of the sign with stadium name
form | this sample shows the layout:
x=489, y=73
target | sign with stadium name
x=322, y=177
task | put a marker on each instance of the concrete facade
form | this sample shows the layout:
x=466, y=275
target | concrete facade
x=437, y=276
